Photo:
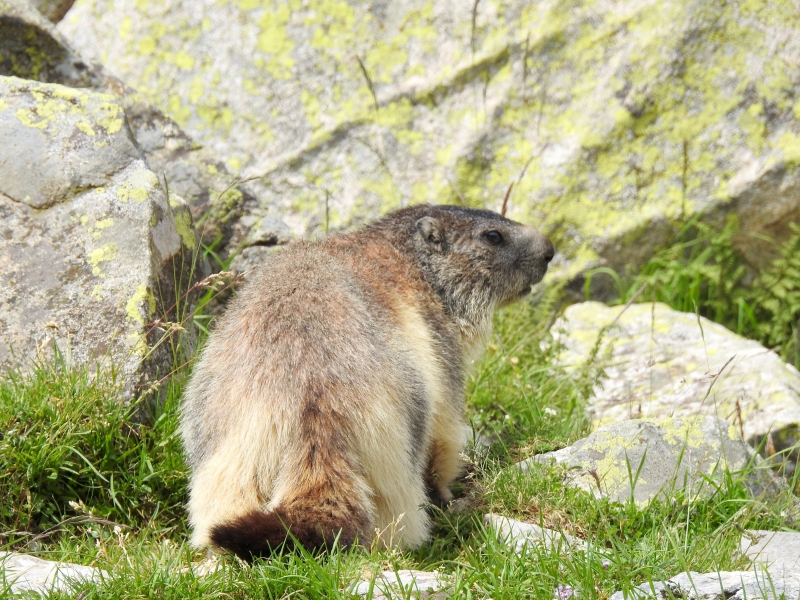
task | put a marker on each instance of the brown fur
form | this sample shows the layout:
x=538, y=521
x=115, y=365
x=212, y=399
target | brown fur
x=328, y=403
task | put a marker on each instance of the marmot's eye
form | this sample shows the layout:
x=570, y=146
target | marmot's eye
x=493, y=237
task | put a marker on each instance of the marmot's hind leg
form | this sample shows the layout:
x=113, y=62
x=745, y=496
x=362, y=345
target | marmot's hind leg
x=445, y=463
x=400, y=497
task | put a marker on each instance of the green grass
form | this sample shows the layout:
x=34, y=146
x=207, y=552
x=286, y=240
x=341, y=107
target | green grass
x=87, y=487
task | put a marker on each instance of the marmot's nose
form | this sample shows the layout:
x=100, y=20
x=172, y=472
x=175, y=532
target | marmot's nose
x=549, y=250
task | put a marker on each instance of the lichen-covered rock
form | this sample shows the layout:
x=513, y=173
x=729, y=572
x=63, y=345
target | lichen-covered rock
x=731, y=585
x=21, y=574
x=215, y=195
x=91, y=249
x=30, y=48
x=612, y=120
x=58, y=142
x=665, y=363
x=642, y=459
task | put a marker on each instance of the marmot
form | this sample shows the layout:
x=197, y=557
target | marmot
x=329, y=400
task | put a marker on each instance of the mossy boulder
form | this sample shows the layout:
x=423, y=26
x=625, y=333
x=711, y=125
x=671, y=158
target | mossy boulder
x=93, y=254
x=615, y=122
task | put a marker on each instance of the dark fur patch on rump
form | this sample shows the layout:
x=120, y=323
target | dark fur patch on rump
x=259, y=534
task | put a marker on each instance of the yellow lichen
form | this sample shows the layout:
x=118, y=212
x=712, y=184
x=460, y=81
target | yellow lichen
x=126, y=192
x=112, y=118
x=105, y=253
x=142, y=298
x=273, y=40
x=183, y=224
x=86, y=128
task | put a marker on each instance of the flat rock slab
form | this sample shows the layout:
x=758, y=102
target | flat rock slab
x=665, y=363
x=778, y=550
x=421, y=585
x=519, y=535
x=21, y=573
x=730, y=585
x=91, y=249
x=643, y=459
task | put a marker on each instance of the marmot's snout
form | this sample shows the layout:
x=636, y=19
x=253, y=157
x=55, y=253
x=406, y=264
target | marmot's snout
x=538, y=251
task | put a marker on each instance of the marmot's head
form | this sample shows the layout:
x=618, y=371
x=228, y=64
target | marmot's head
x=476, y=260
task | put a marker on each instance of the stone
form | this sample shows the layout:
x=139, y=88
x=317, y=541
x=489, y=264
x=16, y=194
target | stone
x=203, y=568
x=30, y=48
x=614, y=121
x=57, y=142
x=731, y=585
x=23, y=573
x=214, y=194
x=259, y=236
x=777, y=550
x=661, y=363
x=54, y=10
x=519, y=535
x=93, y=255
x=643, y=459
x=421, y=585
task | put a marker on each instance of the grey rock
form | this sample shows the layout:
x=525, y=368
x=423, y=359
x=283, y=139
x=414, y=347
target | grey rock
x=31, y=48
x=248, y=258
x=661, y=363
x=735, y=585
x=777, y=550
x=58, y=142
x=348, y=109
x=20, y=573
x=422, y=585
x=90, y=258
x=54, y=10
x=643, y=459
x=256, y=238
x=268, y=230
x=214, y=193
x=519, y=535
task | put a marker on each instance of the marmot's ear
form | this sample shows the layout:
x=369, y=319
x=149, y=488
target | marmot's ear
x=430, y=229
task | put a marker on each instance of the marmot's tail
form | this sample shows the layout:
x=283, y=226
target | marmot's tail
x=321, y=516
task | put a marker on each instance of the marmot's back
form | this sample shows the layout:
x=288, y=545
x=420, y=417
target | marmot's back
x=329, y=399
